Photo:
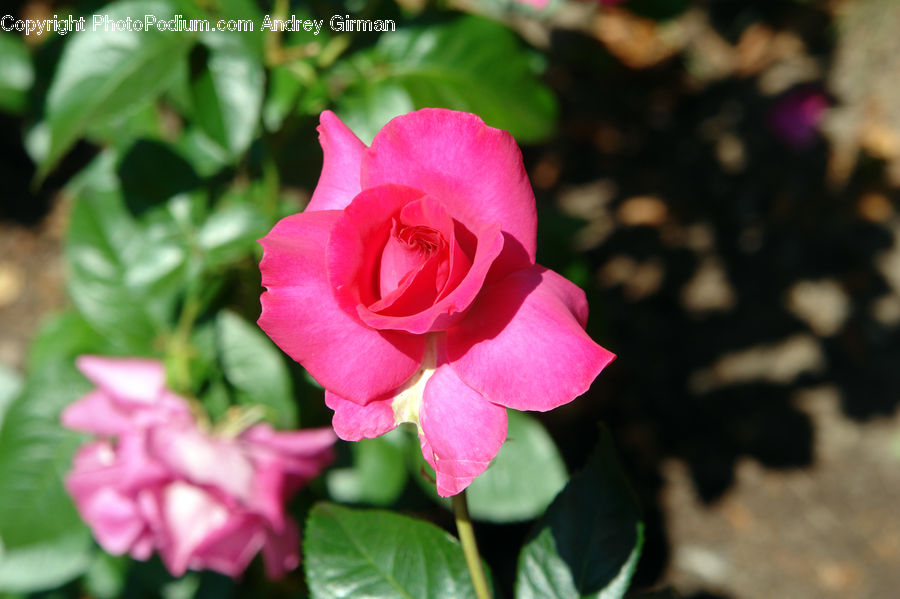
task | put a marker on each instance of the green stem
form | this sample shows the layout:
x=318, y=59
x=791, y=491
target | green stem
x=178, y=352
x=470, y=547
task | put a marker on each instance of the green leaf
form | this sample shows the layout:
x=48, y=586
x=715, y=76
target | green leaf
x=44, y=565
x=285, y=89
x=378, y=475
x=231, y=232
x=227, y=93
x=254, y=367
x=205, y=155
x=105, y=578
x=231, y=10
x=124, y=277
x=298, y=78
x=16, y=73
x=107, y=74
x=521, y=481
x=470, y=64
x=371, y=553
x=589, y=541
x=43, y=540
x=120, y=132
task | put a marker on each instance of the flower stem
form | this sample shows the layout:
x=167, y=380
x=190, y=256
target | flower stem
x=470, y=547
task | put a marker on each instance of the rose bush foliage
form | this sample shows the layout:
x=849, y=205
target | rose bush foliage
x=408, y=288
x=155, y=481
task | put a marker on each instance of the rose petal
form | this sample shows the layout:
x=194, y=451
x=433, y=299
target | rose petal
x=127, y=467
x=522, y=344
x=301, y=316
x=230, y=548
x=312, y=445
x=462, y=431
x=113, y=519
x=399, y=264
x=353, y=422
x=190, y=514
x=96, y=413
x=416, y=293
x=128, y=379
x=112, y=515
x=476, y=171
x=342, y=156
x=204, y=460
x=281, y=551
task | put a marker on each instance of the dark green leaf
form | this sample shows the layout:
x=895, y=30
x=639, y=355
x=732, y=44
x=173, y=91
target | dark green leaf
x=521, y=481
x=227, y=93
x=152, y=172
x=370, y=553
x=16, y=73
x=589, y=541
x=378, y=475
x=470, y=64
x=44, y=541
x=254, y=367
x=107, y=74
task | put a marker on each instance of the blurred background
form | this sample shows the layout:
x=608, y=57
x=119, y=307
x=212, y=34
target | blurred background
x=720, y=176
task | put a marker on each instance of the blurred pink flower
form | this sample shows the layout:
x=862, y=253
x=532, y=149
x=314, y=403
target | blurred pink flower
x=154, y=481
x=795, y=118
x=408, y=288
x=535, y=4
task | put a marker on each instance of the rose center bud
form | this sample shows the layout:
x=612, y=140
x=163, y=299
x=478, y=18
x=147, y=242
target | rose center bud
x=414, y=269
x=424, y=239
x=418, y=260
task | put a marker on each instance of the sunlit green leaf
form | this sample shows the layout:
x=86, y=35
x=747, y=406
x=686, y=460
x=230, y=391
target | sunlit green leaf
x=470, y=64
x=253, y=365
x=124, y=277
x=16, y=73
x=231, y=232
x=103, y=75
x=227, y=92
x=10, y=385
x=370, y=553
x=43, y=540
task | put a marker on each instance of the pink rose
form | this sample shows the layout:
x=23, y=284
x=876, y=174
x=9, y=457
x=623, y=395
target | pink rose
x=408, y=289
x=155, y=481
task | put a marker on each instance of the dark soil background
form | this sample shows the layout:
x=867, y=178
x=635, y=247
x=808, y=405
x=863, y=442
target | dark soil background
x=750, y=286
